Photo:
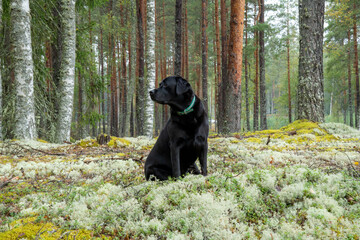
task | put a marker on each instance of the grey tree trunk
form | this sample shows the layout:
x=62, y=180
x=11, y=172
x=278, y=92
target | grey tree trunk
x=25, y=127
x=1, y=11
x=311, y=80
x=67, y=70
x=263, y=121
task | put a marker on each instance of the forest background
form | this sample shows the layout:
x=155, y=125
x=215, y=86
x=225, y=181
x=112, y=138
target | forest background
x=123, y=48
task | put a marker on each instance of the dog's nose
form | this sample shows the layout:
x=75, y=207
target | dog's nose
x=152, y=92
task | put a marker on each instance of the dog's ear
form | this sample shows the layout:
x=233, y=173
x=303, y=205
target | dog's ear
x=182, y=86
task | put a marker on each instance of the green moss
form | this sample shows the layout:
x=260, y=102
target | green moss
x=88, y=143
x=118, y=142
x=30, y=228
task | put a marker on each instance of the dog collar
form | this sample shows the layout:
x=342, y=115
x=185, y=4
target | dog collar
x=189, y=108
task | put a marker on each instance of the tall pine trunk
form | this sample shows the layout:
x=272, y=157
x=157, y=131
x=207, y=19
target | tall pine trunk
x=310, y=93
x=178, y=34
x=263, y=121
x=140, y=81
x=224, y=59
x=349, y=83
x=218, y=62
x=1, y=115
x=256, y=79
x=288, y=62
x=25, y=127
x=247, y=107
x=204, y=53
x=356, y=68
x=232, y=84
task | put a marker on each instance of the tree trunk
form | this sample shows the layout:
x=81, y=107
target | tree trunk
x=218, y=62
x=25, y=127
x=256, y=80
x=178, y=33
x=123, y=85
x=349, y=83
x=204, y=53
x=103, y=79
x=246, y=73
x=356, y=68
x=224, y=59
x=140, y=88
x=67, y=70
x=310, y=93
x=186, y=60
x=151, y=65
x=1, y=117
x=232, y=84
x=288, y=62
x=263, y=122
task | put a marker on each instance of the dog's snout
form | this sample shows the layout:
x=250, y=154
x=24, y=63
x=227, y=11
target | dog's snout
x=152, y=92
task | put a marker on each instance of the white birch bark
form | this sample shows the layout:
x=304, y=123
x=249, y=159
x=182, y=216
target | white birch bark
x=1, y=137
x=67, y=70
x=25, y=127
x=151, y=66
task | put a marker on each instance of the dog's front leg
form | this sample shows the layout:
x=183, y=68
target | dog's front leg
x=175, y=159
x=203, y=158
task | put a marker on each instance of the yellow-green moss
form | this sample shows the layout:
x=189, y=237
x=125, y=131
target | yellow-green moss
x=254, y=140
x=118, y=142
x=88, y=143
x=42, y=141
x=29, y=228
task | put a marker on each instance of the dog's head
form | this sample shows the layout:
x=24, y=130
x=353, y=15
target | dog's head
x=172, y=90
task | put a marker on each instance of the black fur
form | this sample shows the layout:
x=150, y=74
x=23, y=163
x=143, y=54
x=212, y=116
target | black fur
x=184, y=138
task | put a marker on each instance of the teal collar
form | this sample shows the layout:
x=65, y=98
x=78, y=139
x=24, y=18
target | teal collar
x=189, y=108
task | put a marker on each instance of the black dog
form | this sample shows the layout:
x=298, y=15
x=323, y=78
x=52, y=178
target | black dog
x=184, y=138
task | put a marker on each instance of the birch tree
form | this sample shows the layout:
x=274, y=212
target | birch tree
x=151, y=65
x=67, y=70
x=311, y=77
x=25, y=127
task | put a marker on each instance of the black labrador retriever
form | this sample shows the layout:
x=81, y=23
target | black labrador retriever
x=184, y=138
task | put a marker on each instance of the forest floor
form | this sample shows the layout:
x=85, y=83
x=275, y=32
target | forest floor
x=299, y=182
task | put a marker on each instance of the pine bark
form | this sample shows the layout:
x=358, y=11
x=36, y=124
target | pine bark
x=356, y=69
x=25, y=126
x=288, y=64
x=350, y=105
x=247, y=107
x=232, y=84
x=178, y=34
x=1, y=117
x=310, y=93
x=114, y=131
x=123, y=84
x=256, y=79
x=263, y=121
x=186, y=48
x=140, y=81
x=204, y=54
x=224, y=59
x=218, y=62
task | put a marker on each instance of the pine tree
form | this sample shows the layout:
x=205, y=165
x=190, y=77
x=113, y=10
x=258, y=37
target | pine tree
x=232, y=84
x=310, y=93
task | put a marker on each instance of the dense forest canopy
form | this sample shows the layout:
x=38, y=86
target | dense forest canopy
x=80, y=68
